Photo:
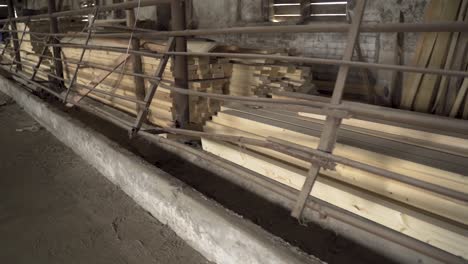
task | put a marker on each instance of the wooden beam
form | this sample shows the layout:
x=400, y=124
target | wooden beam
x=328, y=138
x=101, y=77
x=439, y=103
x=57, y=51
x=442, y=206
x=465, y=108
x=131, y=22
x=364, y=73
x=409, y=136
x=422, y=55
x=427, y=90
x=267, y=127
x=396, y=77
x=180, y=64
x=459, y=99
x=14, y=34
x=443, y=143
x=392, y=215
x=305, y=11
x=461, y=56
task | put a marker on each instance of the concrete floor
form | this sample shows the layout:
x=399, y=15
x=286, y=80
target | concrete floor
x=55, y=208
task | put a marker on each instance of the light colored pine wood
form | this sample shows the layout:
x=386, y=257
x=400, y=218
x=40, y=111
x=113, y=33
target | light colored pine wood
x=465, y=108
x=454, y=145
x=459, y=99
x=431, y=230
x=429, y=140
x=389, y=188
x=422, y=56
x=461, y=57
x=442, y=91
x=427, y=89
x=161, y=107
x=302, y=136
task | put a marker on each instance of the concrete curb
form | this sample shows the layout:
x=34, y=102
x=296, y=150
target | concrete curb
x=218, y=234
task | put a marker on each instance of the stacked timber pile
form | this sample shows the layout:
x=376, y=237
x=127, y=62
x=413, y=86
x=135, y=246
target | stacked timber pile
x=242, y=80
x=119, y=84
x=431, y=157
x=281, y=78
x=205, y=74
x=432, y=93
x=260, y=77
x=262, y=80
x=211, y=75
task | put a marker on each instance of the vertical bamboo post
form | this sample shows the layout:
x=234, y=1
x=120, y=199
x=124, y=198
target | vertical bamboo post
x=14, y=34
x=57, y=51
x=180, y=63
x=332, y=123
x=305, y=11
x=136, y=59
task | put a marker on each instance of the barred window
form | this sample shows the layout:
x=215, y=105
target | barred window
x=308, y=10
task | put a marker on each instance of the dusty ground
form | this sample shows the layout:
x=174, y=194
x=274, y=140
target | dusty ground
x=55, y=208
x=323, y=244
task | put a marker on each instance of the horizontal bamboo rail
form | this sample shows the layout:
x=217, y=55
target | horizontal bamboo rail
x=89, y=10
x=305, y=104
x=296, y=59
x=267, y=188
x=307, y=154
x=361, y=110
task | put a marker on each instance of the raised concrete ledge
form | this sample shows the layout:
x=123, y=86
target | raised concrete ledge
x=218, y=234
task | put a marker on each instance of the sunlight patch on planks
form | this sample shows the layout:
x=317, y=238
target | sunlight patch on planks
x=432, y=218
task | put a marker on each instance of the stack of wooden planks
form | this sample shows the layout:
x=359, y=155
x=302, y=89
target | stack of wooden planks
x=261, y=80
x=429, y=217
x=242, y=80
x=211, y=75
x=281, y=78
x=434, y=93
x=201, y=68
x=202, y=108
x=205, y=74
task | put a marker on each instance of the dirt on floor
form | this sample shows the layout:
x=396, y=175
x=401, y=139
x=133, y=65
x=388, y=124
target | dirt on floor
x=323, y=244
x=55, y=208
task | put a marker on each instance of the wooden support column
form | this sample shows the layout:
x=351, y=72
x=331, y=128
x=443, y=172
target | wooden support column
x=136, y=59
x=57, y=51
x=439, y=104
x=398, y=55
x=305, y=11
x=331, y=125
x=180, y=63
x=364, y=73
x=60, y=5
x=14, y=34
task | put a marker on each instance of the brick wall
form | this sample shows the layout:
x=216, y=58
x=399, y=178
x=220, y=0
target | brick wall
x=376, y=47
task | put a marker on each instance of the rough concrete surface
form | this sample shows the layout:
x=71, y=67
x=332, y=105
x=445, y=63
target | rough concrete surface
x=324, y=244
x=56, y=208
x=218, y=234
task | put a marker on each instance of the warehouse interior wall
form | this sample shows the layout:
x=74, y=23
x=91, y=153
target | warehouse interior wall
x=375, y=47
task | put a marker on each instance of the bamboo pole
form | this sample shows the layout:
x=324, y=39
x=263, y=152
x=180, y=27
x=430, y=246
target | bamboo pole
x=284, y=195
x=86, y=11
x=14, y=33
x=57, y=51
x=275, y=192
x=310, y=103
x=332, y=123
x=296, y=59
x=136, y=59
x=181, y=101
